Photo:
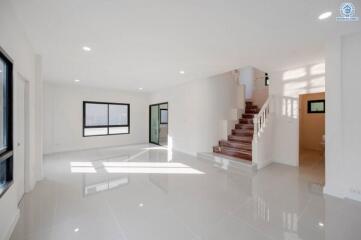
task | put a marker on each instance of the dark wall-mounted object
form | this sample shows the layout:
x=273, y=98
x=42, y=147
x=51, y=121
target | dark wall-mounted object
x=316, y=106
x=266, y=79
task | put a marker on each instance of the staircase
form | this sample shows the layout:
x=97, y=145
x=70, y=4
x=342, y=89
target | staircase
x=239, y=144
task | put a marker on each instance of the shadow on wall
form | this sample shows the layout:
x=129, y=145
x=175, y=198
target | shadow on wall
x=294, y=82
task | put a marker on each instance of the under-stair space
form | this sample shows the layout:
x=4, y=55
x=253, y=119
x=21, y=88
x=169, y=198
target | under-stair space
x=239, y=143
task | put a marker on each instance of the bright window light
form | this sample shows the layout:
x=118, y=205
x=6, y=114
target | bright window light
x=294, y=74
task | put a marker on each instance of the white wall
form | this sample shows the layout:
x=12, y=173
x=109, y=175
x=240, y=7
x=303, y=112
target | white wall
x=253, y=81
x=286, y=86
x=260, y=90
x=63, y=117
x=14, y=42
x=246, y=77
x=343, y=117
x=197, y=110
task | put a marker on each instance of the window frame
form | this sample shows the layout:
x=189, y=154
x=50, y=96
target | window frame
x=309, y=103
x=108, y=125
x=6, y=154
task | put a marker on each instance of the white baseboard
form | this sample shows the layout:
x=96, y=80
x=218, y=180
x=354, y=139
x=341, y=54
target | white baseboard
x=335, y=191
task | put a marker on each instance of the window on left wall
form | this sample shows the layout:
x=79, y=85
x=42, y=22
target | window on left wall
x=103, y=118
x=6, y=132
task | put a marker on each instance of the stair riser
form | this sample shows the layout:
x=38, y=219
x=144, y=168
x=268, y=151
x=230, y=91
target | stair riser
x=246, y=121
x=252, y=111
x=242, y=140
x=235, y=154
x=242, y=134
x=244, y=126
x=248, y=116
x=236, y=145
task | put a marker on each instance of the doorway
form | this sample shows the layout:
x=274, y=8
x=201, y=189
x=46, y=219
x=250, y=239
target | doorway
x=22, y=135
x=312, y=137
x=158, y=124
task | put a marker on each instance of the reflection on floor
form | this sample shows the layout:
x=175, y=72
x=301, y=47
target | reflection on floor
x=163, y=195
x=312, y=166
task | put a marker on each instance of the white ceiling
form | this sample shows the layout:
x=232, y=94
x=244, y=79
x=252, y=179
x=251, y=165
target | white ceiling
x=145, y=43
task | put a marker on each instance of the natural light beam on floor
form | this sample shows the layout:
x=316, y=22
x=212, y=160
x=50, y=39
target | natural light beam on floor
x=83, y=170
x=150, y=167
x=82, y=167
x=153, y=170
x=145, y=164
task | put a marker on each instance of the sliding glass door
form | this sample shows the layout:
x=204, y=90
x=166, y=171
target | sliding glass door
x=154, y=124
x=158, y=124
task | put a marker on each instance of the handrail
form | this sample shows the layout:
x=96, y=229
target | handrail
x=259, y=124
x=259, y=120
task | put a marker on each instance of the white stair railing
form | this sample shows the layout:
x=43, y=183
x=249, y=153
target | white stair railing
x=259, y=124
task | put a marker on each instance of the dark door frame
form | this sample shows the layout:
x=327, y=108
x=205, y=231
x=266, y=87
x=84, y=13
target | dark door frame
x=150, y=115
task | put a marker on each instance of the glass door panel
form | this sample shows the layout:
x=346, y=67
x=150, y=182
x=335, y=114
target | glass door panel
x=154, y=124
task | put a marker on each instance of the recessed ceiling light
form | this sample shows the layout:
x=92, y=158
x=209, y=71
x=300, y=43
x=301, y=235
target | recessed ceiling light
x=76, y=80
x=321, y=224
x=76, y=230
x=141, y=204
x=325, y=15
x=86, y=49
x=182, y=72
x=140, y=89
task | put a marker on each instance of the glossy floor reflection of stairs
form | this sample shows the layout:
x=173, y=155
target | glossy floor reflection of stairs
x=239, y=144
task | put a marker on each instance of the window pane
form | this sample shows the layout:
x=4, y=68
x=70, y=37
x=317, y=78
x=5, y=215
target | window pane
x=2, y=173
x=96, y=114
x=163, y=116
x=95, y=131
x=118, y=114
x=2, y=104
x=118, y=130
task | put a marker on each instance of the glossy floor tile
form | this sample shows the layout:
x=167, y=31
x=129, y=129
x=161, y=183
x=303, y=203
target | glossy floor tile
x=147, y=192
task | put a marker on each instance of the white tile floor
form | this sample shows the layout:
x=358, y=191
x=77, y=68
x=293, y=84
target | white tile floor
x=103, y=194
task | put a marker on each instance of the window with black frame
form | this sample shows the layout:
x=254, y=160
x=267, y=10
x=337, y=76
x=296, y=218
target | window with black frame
x=6, y=148
x=102, y=118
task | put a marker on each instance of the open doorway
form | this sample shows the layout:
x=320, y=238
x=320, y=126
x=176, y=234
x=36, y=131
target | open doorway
x=312, y=137
x=158, y=124
x=21, y=164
